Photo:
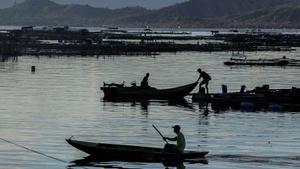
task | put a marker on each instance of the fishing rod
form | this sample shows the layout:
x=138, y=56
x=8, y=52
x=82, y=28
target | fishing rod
x=160, y=133
x=37, y=152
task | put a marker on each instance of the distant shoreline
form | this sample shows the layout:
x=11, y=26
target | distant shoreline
x=97, y=28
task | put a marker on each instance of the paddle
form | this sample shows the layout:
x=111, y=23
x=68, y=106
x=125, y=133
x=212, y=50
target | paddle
x=159, y=133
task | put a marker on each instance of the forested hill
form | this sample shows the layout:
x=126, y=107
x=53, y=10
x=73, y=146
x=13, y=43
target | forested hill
x=193, y=13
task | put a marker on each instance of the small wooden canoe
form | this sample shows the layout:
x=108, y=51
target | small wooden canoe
x=131, y=153
x=149, y=93
x=263, y=62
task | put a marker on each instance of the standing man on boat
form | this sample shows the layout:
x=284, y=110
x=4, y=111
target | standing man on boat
x=180, y=146
x=206, y=78
x=144, y=83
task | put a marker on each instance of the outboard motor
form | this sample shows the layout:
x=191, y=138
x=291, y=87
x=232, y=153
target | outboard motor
x=276, y=108
x=201, y=90
x=247, y=106
x=243, y=88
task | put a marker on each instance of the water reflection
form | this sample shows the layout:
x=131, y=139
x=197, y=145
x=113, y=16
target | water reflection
x=290, y=161
x=145, y=103
x=4, y=58
x=203, y=107
x=8, y=63
x=107, y=162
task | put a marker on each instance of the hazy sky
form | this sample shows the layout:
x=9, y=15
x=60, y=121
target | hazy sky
x=107, y=3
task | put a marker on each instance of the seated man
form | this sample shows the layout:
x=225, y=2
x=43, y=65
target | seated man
x=180, y=146
x=144, y=83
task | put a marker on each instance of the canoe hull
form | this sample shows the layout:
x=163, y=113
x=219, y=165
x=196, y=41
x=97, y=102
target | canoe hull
x=263, y=62
x=151, y=93
x=130, y=153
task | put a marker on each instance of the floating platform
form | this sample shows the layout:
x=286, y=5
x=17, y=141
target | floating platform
x=263, y=62
x=260, y=98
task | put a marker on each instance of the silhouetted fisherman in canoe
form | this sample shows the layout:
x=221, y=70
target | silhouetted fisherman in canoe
x=180, y=146
x=144, y=83
x=206, y=78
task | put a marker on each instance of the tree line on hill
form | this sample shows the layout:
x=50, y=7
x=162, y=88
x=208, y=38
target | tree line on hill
x=191, y=14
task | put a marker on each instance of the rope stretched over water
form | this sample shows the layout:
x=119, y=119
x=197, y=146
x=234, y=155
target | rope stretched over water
x=37, y=152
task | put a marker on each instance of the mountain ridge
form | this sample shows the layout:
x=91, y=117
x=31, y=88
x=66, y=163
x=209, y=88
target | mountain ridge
x=193, y=13
x=111, y=4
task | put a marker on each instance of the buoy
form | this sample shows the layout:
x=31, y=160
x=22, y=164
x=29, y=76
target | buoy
x=32, y=68
x=247, y=106
x=224, y=89
x=275, y=108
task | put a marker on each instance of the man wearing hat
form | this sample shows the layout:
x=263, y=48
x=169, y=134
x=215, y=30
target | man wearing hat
x=179, y=138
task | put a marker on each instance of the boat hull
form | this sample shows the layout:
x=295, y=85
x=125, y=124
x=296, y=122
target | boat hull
x=150, y=93
x=131, y=153
x=258, y=99
x=263, y=62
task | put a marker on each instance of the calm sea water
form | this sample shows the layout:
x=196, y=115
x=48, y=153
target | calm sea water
x=62, y=99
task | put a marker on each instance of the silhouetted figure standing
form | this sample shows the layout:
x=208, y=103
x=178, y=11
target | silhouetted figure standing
x=206, y=78
x=144, y=83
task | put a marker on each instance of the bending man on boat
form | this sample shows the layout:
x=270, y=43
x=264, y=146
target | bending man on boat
x=144, y=83
x=206, y=78
x=180, y=146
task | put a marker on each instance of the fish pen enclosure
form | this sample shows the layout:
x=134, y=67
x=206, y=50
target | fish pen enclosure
x=64, y=41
